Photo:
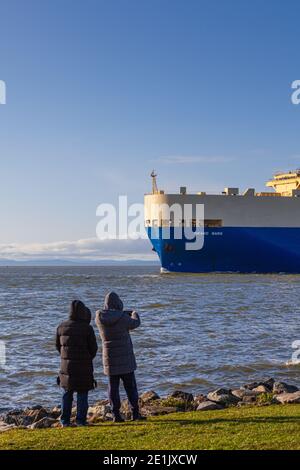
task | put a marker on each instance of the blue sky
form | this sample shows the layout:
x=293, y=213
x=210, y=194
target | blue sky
x=100, y=92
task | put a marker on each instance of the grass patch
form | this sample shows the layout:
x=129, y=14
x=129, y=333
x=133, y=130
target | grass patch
x=267, y=427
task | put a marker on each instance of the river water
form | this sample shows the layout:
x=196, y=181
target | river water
x=198, y=331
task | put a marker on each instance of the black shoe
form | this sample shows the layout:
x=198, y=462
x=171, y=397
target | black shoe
x=139, y=417
x=118, y=419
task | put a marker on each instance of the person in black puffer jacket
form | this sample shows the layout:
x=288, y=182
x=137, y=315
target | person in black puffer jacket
x=77, y=345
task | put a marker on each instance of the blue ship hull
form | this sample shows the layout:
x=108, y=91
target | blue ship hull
x=232, y=249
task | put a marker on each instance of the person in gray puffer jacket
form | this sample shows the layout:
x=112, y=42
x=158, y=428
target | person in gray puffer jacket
x=119, y=362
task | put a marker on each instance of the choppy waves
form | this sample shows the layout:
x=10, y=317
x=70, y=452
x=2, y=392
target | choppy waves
x=198, y=331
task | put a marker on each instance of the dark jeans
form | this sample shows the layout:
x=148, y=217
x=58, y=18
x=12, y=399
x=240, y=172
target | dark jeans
x=82, y=407
x=129, y=383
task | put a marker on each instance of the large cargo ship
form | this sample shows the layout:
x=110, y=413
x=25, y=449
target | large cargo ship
x=252, y=232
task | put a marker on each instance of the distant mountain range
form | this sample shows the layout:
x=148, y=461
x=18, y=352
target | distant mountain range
x=76, y=262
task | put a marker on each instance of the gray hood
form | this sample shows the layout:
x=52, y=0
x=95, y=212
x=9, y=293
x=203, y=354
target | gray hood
x=112, y=302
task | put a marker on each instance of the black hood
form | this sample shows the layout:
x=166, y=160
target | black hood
x=79, y=312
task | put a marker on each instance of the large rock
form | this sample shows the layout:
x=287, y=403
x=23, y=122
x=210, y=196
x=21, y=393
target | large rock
x=102, y=402
x=199, y=399
x=99, y=413
x=208, y=406
x=99, y=410
x=55, y=412
x=246, y=396
x=249, y=399
x=24, y=421
x=125, y=409
x=149, y=396
x=288, y=397
x=282, y=387
x=241, y=393
x=11, y=416
x=182, y=395
x=223, y=396
x=261, y=389
x=268, y=383
x=10, y=419
x=43, y=423
x=6, y=427
x=22, y=418
x=57, y=408
x=36, y=407
x=36, y=414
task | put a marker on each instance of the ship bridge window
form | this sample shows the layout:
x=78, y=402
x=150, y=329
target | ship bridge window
x=166, y=222
x=207, y=223
x=155, y=223
x=200, y=223
x=189, y=223
x=194, y=223
x=213, y=223
x=148, y=222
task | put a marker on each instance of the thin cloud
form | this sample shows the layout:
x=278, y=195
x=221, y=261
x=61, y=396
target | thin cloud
x=86, y=249
x=190, y=159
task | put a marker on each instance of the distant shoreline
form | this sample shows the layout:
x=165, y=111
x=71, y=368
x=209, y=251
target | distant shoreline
x=66, y=264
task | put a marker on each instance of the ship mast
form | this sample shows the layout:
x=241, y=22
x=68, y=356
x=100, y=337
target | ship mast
x=154, y=183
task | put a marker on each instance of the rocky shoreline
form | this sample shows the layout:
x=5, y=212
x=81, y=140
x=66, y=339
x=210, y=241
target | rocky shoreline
x=260, y=393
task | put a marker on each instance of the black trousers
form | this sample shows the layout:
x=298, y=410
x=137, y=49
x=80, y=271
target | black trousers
x=130, y=386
